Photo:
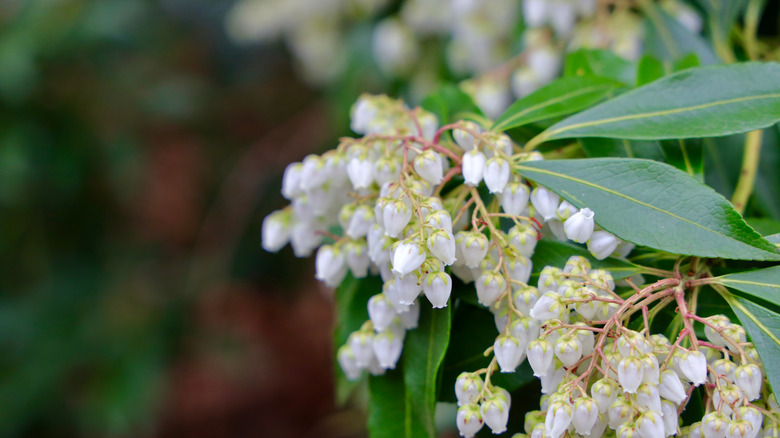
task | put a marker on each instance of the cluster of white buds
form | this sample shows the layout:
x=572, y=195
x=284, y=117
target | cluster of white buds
x=480, y=403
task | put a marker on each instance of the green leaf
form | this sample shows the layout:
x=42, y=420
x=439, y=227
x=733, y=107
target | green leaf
x=648, y=70
x=699, y=102
x=448, y=101
x=602, y=63
x=721, y=15
x=620, y=147
x=763, y=327
x=761, y=283
x=558, y=98
x=554, y=253
x=424, y=351
x=653, y=204
x=669, y=40
x=388, y=412
x=764, y=226
x=686, y=155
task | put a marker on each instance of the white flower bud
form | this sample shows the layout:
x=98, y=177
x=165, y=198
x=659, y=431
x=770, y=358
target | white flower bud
x=356, y=253
x=605, y=392
x=540, y=356
x=740, y=429
x=650, y=425
x=509, y=353
x=535, y=12
x=380, y=311
x=620, y=412
x=440, y=220
x=549, y=279
x=565, y=210
x=669, y=412
x=545, y=202
x=630, y=374
x=579, y=227
x=734, y=334
x=330, y=265
x=463, y=138
x=519, y=268
x=568, y=349
x=525, y=330
x=313, y=173
x=693, y=366
x=495, y=413
x=648, y=398
x=719, y=321
x=525, y=298
x=360, y=222
x=489, y=286
x=538, y=431
x=360, y=171
x=671, y=388
x=437, y=287
x=714, y=425
x=387, y=169
x=429, y=166
x=749, y=379
x=473, y=246
x=361, y=343
x=548, y=307
x=387, y=348
x=514, y=198
x=726, y=396
x=497, y=173
x=694, y=430
x=752, y=415
x=469, y=420
x=473, y=167
x=291, y=181
x=407, y=257
x=602, y=244
x=467, y=388
x=276, y=230
x=441, y=245
x=586, y=413
x=650, y=366
x=407, y=288
x=559, y=416
x=395, y=216
x=348, y=363
x=523, y=238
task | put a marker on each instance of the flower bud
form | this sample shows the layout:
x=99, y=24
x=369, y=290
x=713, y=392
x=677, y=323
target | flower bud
x=407, y=257
x=602, y=278
x=519, y=268
x=740, y=429
x=291, y=181
x=440, y=220
x=720, y=322
x=545, y=202
x=495, y=413
x=605, y=392
x=469, y=420
x=463, y=138
x=630, y=374
x=549, y=279
x=514, y=198
x=694, y=430
x=714, y=425
x=348, y=363
x=725, y=397
x=407, y=288
x=473, y=167
x=524, y=298
x=497, y=173
x=671, y=388
x=523, y=238
x=540, y=356
x=330, y=265
x=360, y=171
x=693, y=366
x=387, y=169
x=387, y=348
x=467, y=388
x=429, y=166
x=489, y=286
x=276, y=230
x=361, y=343
x=749, y=379
x=437, y=287
x=548, y=307
x=586, y=413
x=650, y=425
x=647, y=397
x=538, y=431
x=602, y=244
x=525, y=329
x=669, y=412
x=559, y=416
x=509, y=353
x=579, y=227
x=395, y=216
x=536, y=12
x=441, y=245
x=568, y=349
x=357, y=257
x=380, y=311
x=620, y=412
x=473, y=246
x=752, y=415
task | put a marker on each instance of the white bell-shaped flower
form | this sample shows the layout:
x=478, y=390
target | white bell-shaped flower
x=407, y=288
x=650, y=425
x=464, y=138
x=509, y=353
x=497, y=173
x=360, y=222
x=545, y=202
x=291, y=181
x=568, y=349
x=671, y=388
x=540, y=356
x=439, y=220
x=740, y=429
x=630, y=374
x=387, y=348
x=473, y=167
x=579, y=227
x=313, y=172
x=387, y=169
x=495, y=413
x=360, y=171
x=361, y=343
x=473, y=246
x=749, y=378
x=752, y=415
x=693, y=366
x=714, y=425
x=620, y=412
x=437, y=287
x=276, y=231
x=525, y=329
x=441, y=244
x=489, y=286
x=514, y=198
x=669, y=412
x=429, y=166
x=602, y=244
x=605, y=392
x=523, y=238
x=586, y=413
x=348, y=363
x=356, y=253
x=547, y=307
x=330, y=265
x=559, y=415
x=469, y=420
x=467, y=388
x=519, y=268
x=395, y=216
x=648, y=398
x=525, y=297
x=380, y=311
x=407, y=257
x=565, y=210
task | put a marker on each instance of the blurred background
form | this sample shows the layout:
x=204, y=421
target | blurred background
x=141, y=144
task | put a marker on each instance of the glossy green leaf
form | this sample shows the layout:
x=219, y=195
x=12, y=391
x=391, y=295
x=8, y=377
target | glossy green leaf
x=653, y=204
x=388, y=412
x=558, y=98
x=699, y=102
x=619, y=147
x=668, y=40
x=763, y=327
x=648, y=70
x=762, y=283
x=602, y=63
x=448, y=101
x=686, y=155
x=554, y=253
x=424, y=351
